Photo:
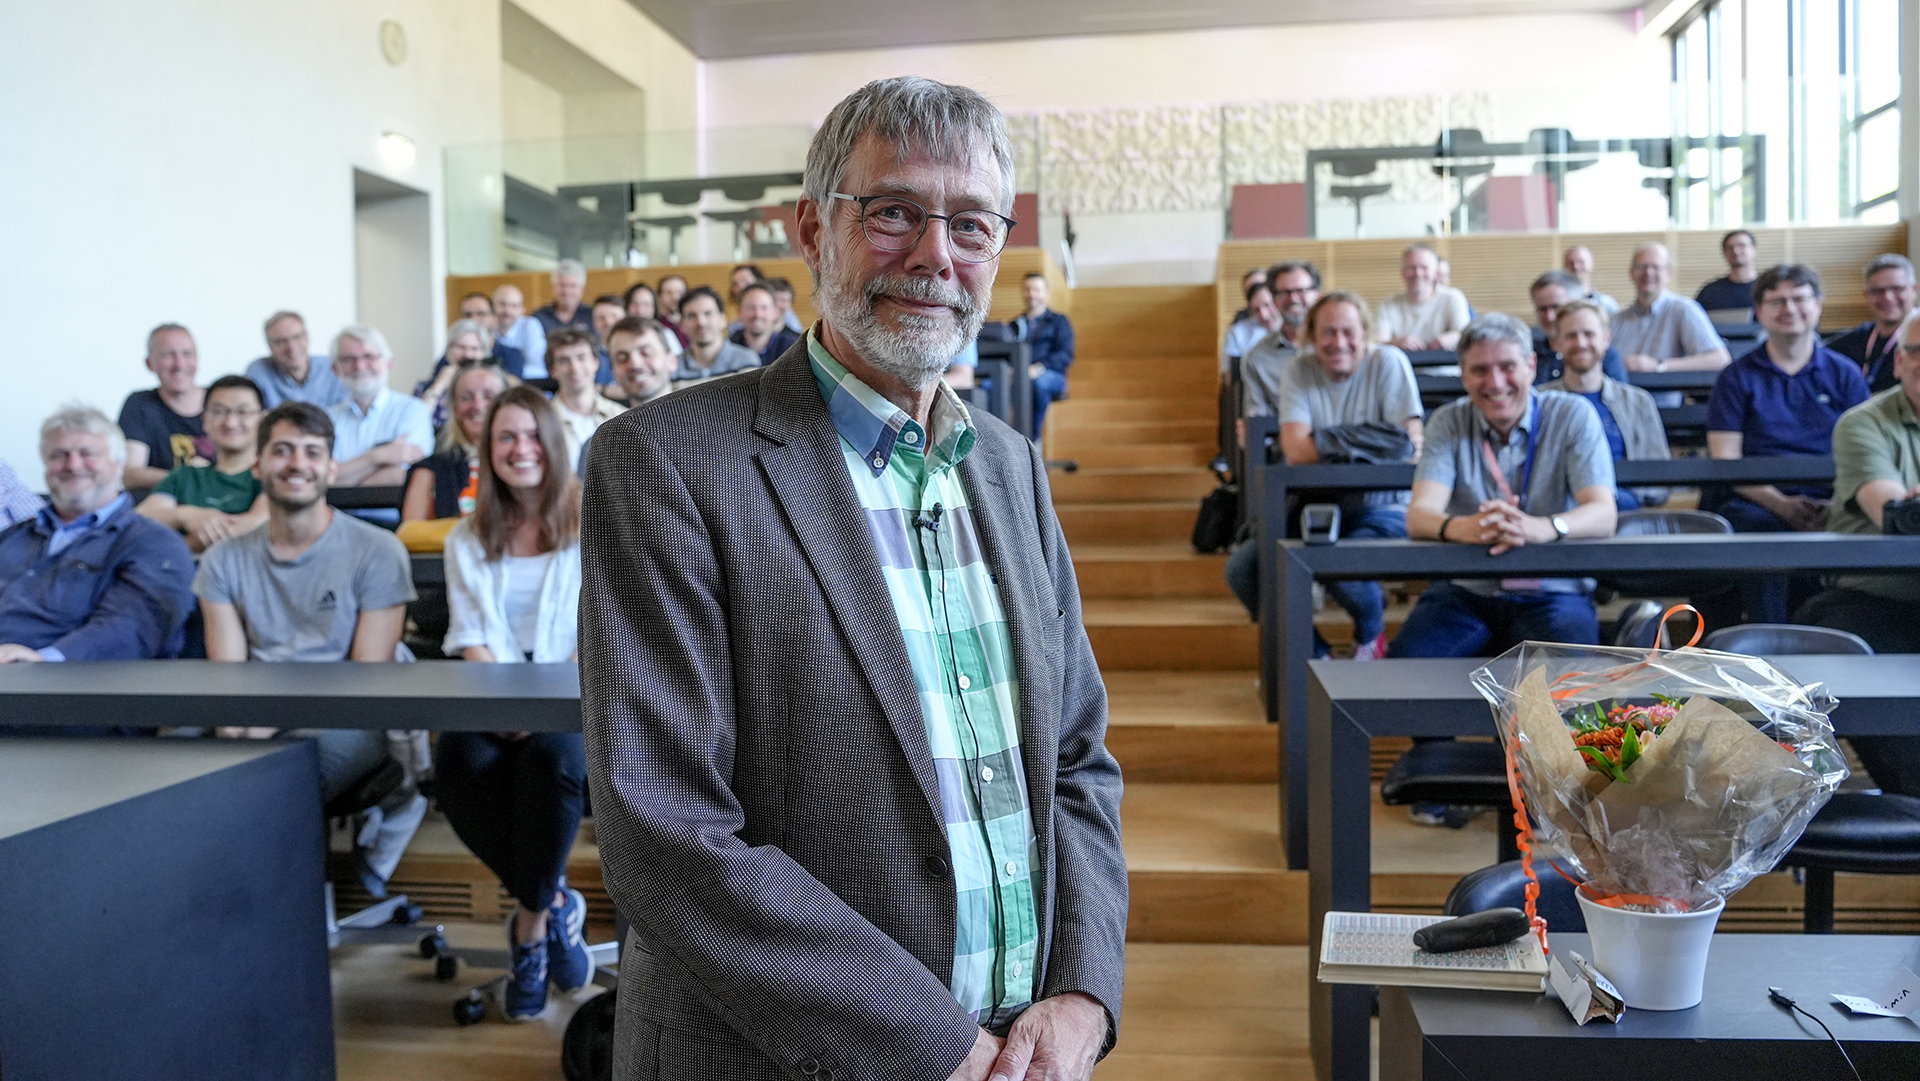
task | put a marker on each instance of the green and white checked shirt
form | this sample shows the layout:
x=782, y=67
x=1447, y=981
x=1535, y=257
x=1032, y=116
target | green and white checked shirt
x=956, y=635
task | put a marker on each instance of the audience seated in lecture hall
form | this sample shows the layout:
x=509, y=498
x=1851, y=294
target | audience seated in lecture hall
x=206, y=504
x=643, y=302
x=709, y=353
x=513, y=594
x=1049, y=338
x=84, y=578
x=1628, y=415
x=578, y=401
x=642, y=367
x=569, y=294
x=760, y=329
x=314, y=584
x=1734, y=292
x=162, y=426
x=1505, y=466
x=444, y=483
x=1890, y=296
x=1551, y=292
x=1295, y=287
x=1428, y=315
x=17, y=501
x=478, y=308
x=1263, y=318
x=520, y=330
x=1781, y=400
x=1248, y=280
x=468, y=342
x=289, y=372
x=1661, y=330
x=1876, y=461
x=1578, y=261
x=1334, y=392
x=377, y=432
x=737, y=281
x=783, y=300
x=607, y=310
x=673, y=288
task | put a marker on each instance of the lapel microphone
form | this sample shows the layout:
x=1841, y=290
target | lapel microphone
x=929, y=520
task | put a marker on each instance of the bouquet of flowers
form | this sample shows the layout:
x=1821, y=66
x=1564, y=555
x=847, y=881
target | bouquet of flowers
x=1668, y=779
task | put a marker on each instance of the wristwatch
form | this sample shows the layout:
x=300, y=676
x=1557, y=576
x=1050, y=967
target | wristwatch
x=1560, y=527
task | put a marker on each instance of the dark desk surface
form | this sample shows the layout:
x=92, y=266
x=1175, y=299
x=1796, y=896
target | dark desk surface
x=1676, y=471
x=1735, y=1032
x=366, y=497
x=438, y=695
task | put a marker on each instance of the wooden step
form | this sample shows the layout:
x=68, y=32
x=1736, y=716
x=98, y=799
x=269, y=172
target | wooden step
x=1180, y=634
x=1148, y=484
x=1190, y=727
x=1162, y=408
x=1155, y=570
x=1161, y=369
x=1204, y=865
x=1127, y=387
x=1069, y=435
x=1145, y=320
x=1137, y=455
x=1214, y=1012
x=1169, y=522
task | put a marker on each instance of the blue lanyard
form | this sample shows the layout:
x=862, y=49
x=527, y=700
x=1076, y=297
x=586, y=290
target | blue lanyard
x=1533, y=443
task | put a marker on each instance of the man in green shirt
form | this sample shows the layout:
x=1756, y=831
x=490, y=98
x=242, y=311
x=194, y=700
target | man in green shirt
x=209, y=503
x=1876, y=461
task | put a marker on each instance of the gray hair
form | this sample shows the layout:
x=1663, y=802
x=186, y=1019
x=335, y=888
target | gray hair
x=944, y=122
x=1890, y=261
x=162, y=329
x=267, y=327
x=84, y=418
x=1420, y=246
x=1496, y=327
x=1556, y=277
x=468, y=326
x=570, y=268
x=365, y=335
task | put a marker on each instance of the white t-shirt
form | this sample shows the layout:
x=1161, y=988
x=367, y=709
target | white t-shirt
x=1443, y=313
x=524, y=575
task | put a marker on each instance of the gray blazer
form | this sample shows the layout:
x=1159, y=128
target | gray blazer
x=1641, y=429
x=763, y=791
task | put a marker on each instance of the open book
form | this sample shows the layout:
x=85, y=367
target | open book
x=1377, y=948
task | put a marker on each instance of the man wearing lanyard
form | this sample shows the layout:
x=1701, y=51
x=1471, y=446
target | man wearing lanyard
x=1890, y=296
x=1505, y=466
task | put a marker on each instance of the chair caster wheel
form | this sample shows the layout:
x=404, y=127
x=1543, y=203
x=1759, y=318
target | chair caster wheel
x=407, y=914
x=432, y=945
x=469, y=1010
x=446, y=967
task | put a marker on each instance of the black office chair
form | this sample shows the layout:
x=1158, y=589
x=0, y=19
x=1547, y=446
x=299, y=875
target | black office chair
x=1873, y=833
x=1472, y=774
x=1659, y=523
x=394, y=917
x=1504, y=885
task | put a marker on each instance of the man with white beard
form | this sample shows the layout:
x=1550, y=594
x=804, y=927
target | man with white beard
x=845, y=734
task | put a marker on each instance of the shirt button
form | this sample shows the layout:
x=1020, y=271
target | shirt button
x=986, y=773
x=1012, y=868
x=910, y=437
x=879, y=462
x=1016, y=968
x=965, y=683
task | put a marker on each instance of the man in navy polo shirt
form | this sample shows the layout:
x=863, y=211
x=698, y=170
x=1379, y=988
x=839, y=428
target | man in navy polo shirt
x=1781, y=400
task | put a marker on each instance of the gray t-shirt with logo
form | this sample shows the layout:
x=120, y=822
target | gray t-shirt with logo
x=305, y=609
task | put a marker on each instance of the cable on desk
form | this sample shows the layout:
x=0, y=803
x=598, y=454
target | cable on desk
x=1780, y=997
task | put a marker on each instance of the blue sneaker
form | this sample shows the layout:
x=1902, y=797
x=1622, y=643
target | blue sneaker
x=524, y=997
x=569, y=963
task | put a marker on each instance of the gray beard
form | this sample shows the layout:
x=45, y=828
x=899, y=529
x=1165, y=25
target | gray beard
x=920, y=351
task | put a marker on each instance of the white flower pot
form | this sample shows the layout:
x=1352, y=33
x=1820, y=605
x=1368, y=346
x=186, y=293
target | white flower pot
x=1658, y=960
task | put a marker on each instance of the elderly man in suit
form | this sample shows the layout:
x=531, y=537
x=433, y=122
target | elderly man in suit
x=844, y=728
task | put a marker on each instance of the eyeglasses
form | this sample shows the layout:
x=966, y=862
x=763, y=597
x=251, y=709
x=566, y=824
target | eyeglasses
x=893, y=223
x=1911, y=349
x=231, y=414
x=1798, y=300
x=1888, y=290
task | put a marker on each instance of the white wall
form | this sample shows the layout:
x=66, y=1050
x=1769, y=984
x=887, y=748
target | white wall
x=193, y=161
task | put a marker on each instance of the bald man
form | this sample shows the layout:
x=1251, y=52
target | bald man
x=1662, y=331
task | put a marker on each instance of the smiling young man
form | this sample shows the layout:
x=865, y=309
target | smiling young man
x=1628, y=415
x=207, y=504
x=760, y=327
x=845, y=733
x=575, y=365
x=1505, y=466
x=708, y=352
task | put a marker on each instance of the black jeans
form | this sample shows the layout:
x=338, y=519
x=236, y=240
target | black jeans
x=1888, y=626
x=516, y=803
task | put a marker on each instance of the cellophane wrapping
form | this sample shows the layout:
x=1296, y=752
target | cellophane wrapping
x=1716, y=797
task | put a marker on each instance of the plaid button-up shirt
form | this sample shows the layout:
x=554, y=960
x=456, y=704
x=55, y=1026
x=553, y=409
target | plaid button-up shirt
x=956, y=636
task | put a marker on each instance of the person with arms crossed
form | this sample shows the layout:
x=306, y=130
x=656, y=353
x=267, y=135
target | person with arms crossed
x=206, y=504
x=162, y=426
x=1428, y=315
x=1049, y=338
x=289, y=373
x=1890, y=295
x=1341, y=383
x=1781, y=400
x=377, y=433
x=1628, y=417
x=877, y=836
x=1662, y=331
x=1505, y=466
x=316, y=585
x=85, y=578
x=513, y=592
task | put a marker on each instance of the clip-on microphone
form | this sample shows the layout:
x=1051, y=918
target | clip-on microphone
x=929, y=521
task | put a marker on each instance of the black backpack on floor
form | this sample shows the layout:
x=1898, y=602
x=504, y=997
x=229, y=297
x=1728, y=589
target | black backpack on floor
x=586, y=1051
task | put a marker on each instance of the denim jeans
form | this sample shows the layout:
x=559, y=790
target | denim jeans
x=1362, y=600
x=1048, y=387
x=346, y=756
x=516, y=803
x=1453, y=622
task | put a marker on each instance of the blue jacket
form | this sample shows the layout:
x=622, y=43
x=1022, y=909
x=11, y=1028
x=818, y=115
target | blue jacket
x=1050, y=337
x=122, y=591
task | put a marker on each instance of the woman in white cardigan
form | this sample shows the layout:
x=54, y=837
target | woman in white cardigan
x=513, y=594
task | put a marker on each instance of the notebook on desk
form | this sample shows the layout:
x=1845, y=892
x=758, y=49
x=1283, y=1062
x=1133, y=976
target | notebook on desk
x=1377, y=948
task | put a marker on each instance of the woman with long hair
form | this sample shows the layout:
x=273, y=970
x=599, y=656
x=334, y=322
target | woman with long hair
x=513, y=592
